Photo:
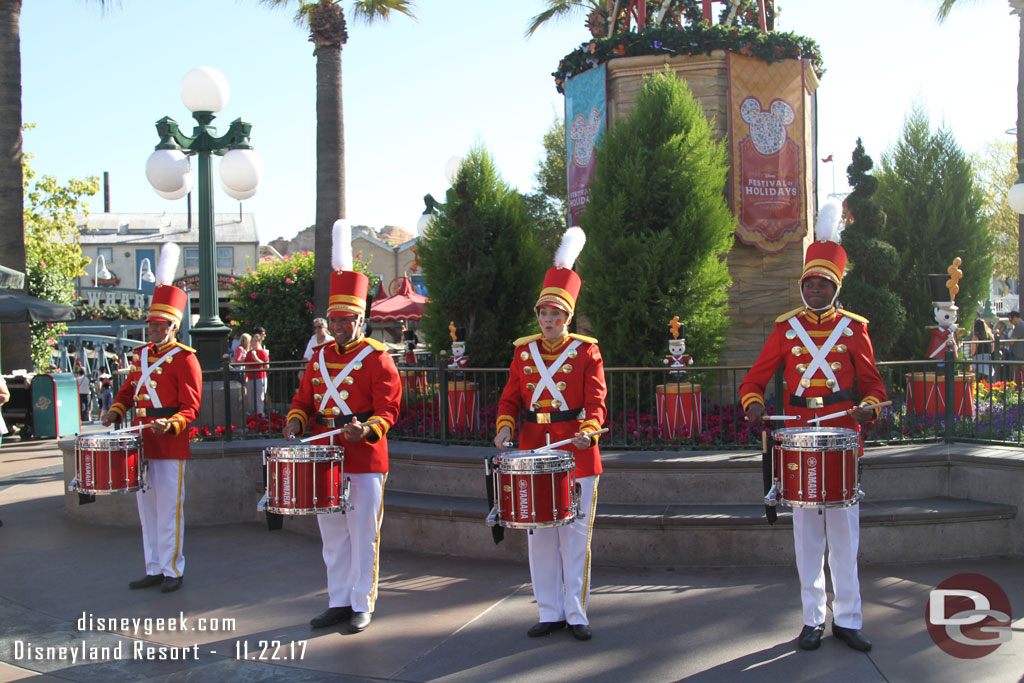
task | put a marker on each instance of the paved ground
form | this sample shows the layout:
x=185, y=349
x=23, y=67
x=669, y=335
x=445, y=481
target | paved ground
x=437, y=618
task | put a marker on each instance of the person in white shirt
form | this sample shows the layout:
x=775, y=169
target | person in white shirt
x=320, y=335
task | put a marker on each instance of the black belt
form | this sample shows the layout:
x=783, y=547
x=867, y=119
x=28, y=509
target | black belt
x=325, y=421
x=560, y=416
x=830, y=399
x=160, y=412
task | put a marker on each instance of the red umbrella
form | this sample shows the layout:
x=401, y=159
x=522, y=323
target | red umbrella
x=406, y=304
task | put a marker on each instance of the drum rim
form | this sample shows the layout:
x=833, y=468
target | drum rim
x=306, y=453
x=532, y=462
x=816, y=438
x=101, y=442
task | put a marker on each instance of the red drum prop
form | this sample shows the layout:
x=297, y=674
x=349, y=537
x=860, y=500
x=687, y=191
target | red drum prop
x=815, y=467
x=108, y=463
x=305, y=480
x=679, y=411
x=414, y=382
x=535, y=489
x=463, y=412
x=926, y=393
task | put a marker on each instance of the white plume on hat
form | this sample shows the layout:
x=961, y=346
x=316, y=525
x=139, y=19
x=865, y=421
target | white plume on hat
x=341, y=251
x=167, y=264
x=829, y=226
x=572, y=244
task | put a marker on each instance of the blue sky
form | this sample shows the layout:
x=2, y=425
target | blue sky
x=417, y=92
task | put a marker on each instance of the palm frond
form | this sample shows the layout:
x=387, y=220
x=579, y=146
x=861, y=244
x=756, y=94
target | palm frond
x=372, y=10
x=558, y=9
x=946, y=6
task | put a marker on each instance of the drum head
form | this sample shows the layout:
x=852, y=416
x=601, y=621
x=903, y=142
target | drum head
x=817, y=438
x=534, y=462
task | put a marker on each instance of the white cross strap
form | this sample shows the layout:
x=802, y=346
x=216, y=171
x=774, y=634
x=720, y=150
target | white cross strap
x=146, y=369
x=546, y=372
x=818, y=356
x=331, y=384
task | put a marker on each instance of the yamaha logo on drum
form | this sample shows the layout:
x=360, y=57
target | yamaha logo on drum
x=812, y=477
x=524, y=499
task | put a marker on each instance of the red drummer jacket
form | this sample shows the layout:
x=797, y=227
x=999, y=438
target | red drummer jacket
x=361, y=379
x=163, y=382
x=827, y=382
x=578, y=378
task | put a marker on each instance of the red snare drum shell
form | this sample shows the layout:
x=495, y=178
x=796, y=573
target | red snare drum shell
x=535, y=490
x=817, y=468
x=108, y=464
x=305, y=481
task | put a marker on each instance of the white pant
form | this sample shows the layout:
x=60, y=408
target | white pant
x=162, y=513
x=352, y=544
x=560, y=562
x=841, y=528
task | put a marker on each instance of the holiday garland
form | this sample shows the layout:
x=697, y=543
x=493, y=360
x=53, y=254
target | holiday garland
x=690, y=40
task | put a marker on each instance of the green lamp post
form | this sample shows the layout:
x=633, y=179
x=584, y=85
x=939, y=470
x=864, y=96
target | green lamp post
x=205, y=92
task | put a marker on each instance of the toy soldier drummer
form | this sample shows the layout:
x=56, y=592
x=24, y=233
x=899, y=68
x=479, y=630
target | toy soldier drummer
x=944, y=289
x=350, y=383
x=165, y=387
x=824, y=351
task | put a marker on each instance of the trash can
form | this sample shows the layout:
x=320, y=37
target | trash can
x=17, y=411
x=55, y=410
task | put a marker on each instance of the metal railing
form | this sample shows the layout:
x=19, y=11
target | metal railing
x=647, y=408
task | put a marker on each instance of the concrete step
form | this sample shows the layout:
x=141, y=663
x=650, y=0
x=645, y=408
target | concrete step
x=696, y=477
x=712, y=535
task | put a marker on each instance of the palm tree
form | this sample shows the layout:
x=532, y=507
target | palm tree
x=325, y=20
x=15, y=345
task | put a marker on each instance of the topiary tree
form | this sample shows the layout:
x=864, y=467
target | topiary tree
x=278, y=296
x=874, y=264
x=658, y=229
x=482, y=264
x=549, y=205
x=935, y=213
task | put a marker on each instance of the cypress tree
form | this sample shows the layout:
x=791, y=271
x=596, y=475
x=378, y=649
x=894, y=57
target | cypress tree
x=874, y=264
x=482, y=265
x=935, y=213
x=658, y=229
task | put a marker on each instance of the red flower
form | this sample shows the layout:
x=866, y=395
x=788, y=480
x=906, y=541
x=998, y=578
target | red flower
x=287, y=280
x=253, y=295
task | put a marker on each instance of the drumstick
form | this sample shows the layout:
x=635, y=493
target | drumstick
x=136, y=428
x=780, y=417
x=324, y=435
x=568, y=441
x=846, y=412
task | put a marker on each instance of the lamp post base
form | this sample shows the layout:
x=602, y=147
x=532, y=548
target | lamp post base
x=211, y=344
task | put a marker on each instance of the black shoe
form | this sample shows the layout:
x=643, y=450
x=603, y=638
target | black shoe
x=543, y=628
x=581, y=631
x=171, y=584
x=148, y=581
x=359, y=621
x=852, y=637
x=810, y=637
x=333, y=615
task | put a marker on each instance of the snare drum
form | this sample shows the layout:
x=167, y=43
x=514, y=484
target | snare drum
x=535, y=489
x=108, y=463
x=305, y=480
x=815, y=467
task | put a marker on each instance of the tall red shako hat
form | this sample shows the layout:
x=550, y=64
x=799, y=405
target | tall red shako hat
x=561, y=283
x=348, y=288
x=824, y=257
x=168, y=301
